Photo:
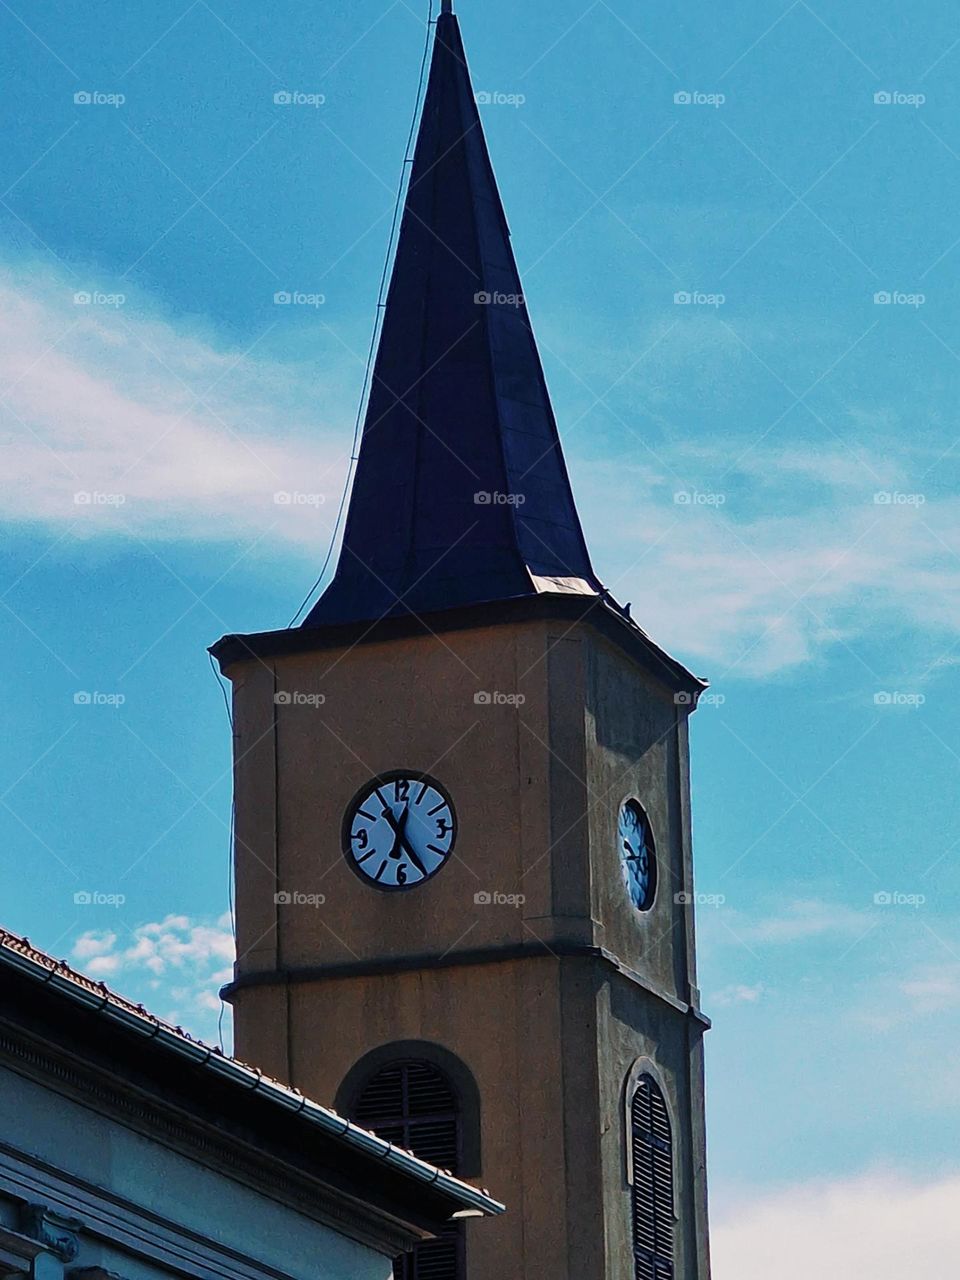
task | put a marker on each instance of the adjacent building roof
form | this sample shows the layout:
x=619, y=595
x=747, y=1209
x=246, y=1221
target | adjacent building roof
x=219, y=1076
x=461, y=494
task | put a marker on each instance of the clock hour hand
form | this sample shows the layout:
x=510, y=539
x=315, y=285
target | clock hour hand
x=397, y=829
x=395, y=823
x=631, y=856
x=398, y=826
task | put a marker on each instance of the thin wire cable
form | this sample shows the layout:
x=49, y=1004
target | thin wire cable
x=233, y=918
x=223, y=689
x=407, y=159
x=230, y=860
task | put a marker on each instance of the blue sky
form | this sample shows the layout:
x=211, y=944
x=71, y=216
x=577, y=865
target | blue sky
x=768, y=471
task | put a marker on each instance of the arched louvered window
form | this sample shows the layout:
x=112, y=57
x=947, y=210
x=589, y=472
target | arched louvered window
x=413, y=1105
x=651, y=1151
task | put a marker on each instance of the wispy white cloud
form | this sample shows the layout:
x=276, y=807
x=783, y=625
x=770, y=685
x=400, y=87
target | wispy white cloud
x=790, y=555
x=808, y=919
x=919, y=992
x=778, y=554
x=878, y=1226
x=737, y=993
x=797, y=921
x=114, y=419
x=175, y=966
x=932, y=989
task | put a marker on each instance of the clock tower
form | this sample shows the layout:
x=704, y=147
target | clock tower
x=463, y=864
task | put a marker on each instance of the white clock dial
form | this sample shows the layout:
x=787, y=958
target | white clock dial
x=399, y=830
x=638, y=855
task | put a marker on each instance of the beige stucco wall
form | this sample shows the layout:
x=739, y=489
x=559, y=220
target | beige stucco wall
x=532, y=785
x=537, y=788
x=504, y=1022
x=407, y=704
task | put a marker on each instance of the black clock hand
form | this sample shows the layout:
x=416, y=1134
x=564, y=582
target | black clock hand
x=402, y=837
x=398, y=826
x=413, y=855
x=639, y=856
x=392, y=821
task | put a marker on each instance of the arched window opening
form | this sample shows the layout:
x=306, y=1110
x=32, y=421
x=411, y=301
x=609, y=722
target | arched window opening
x=413, y=1105
x=651, y=1151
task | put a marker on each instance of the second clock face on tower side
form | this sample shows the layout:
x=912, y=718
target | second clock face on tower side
x=638, y=856
x=399, y=830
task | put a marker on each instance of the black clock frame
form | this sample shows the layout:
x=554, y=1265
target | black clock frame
x=374, y=784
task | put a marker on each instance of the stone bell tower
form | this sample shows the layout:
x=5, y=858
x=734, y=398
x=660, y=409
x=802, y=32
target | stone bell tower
x=463, y=857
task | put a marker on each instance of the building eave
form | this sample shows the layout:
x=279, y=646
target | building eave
x=19, y=957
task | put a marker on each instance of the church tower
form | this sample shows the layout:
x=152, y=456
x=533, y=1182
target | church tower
x=463, y=859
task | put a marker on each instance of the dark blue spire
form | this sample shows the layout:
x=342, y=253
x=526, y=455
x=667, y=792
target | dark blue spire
x=461, y=494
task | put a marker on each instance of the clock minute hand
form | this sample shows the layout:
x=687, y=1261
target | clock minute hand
x=400, y=841
x=413, y=855
x=402, y=837
x=397, y=829
x=399, y=826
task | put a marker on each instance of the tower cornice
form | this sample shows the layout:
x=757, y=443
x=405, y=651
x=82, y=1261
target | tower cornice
x=572, y=610
x=559, y=949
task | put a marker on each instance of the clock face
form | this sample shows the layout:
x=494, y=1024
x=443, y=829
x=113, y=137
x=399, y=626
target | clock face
x=399, y=830
x=638, y=856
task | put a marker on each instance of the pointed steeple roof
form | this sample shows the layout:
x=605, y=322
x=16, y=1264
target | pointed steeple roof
x=461, y=495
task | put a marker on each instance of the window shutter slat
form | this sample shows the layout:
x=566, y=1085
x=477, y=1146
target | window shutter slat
x=413, y=1105
x=651, y=1148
